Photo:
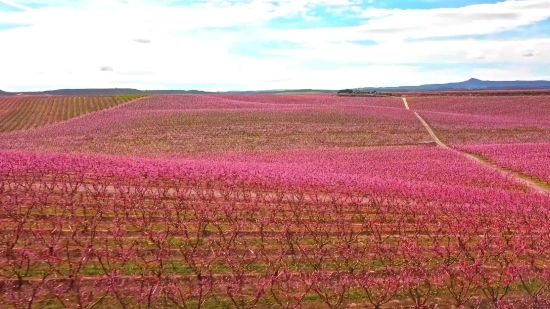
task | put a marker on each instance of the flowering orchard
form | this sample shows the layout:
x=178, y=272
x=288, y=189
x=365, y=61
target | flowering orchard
x=313, y=99
x=18, y=113
x=529, y=159
x=480, y=120
x=273, y=201
x=303, y=228
x=161, y=126
x=524, y=107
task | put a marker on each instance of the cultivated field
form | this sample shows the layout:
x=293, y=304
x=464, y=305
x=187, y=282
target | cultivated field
x=529, y=159
x=487, y=120
x=280, y=201
x=24, y=112
x=180, y=125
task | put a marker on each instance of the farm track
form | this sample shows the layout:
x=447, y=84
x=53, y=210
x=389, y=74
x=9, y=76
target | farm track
x=431, y=132
x=525, y=179
x=406, y=103
x=521, y=178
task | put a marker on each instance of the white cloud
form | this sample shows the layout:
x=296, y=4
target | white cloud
x=148, y=44
x=16, y=5
x=397, y=24
x=451, y=51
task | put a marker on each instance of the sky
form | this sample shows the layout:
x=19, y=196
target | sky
x=220, y=45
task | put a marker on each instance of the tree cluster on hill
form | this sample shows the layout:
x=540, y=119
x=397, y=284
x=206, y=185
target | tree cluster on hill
x=361, y=92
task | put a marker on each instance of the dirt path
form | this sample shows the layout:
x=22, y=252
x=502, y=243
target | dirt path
x=524, y=179
x=406, y=103
x=431, y=132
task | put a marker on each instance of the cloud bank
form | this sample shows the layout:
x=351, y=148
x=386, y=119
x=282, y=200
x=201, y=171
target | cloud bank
x=260, y=44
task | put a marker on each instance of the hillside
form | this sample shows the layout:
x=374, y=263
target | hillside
x=471, y=84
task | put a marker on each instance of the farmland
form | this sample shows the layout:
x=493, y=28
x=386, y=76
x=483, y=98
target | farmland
x=175, y=125
x=18, y=113
x=530, y=159
x=487, y=120
x=279, y=201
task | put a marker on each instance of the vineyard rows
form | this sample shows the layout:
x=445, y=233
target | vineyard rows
x=25, y=112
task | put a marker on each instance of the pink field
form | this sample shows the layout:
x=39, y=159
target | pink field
x=278, y=201
x=428, y=167
x=410, y=168
x=529, y=159
x=163, y=126
x=530, y=109
x=263, y=101
x=314, y=99
x=482, y=120
x=459, y=129
x=269, y=227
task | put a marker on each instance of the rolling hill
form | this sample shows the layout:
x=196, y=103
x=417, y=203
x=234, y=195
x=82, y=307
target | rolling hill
x=471, y=84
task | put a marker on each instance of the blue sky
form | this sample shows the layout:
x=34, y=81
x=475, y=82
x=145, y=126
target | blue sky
x=262, y=44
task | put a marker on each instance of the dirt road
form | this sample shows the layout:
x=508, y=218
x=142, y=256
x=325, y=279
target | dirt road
x=524, y=179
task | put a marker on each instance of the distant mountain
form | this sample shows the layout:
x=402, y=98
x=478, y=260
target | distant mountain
x=471, y=84
x=115, y=91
